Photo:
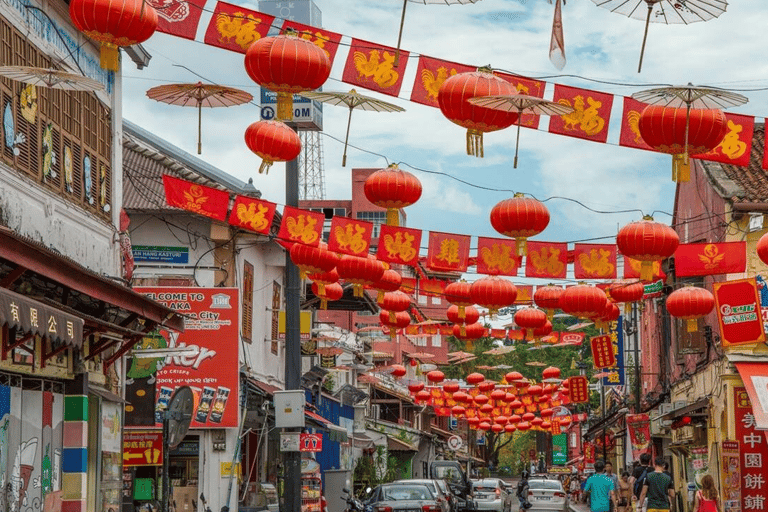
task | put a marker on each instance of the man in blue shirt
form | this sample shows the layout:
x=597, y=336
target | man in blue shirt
x=601, y=490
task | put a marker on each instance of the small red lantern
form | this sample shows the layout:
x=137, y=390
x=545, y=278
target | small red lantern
x=327, y=292
x=509, y=428
x=313, y=260
x=523, y=425
x=520, y=218
x=547, y=413
x=536, y=422
x=401, y=321
x=484, y=425
x=550, y=373
x=458, y=410
x=390, y=282
x=762, y=248
x=513, y=377
x=473, y=422
x=501, y=420
x=273, y=141
x=460, y=397
x=458, y=293
x=451, y=387
x=471, y=315
x=611, y=313
x=690, y=303
x=474, y=379
x=545, y=425
x=360, y=271
x=113, y=24
x=435, y=376
x=486, y=409
x=414, y=362
x=509, y=398
x=452, y=98
x=529, y=319
x=415, y=387
x=548, y=298
x=498, y=395
x=470, y=332
x=493, y=292
x=535, y=390
x=682, y=132
x=626, y=291
x=528, y=416
x=515, y=419
x=564, y=420
x=496, y=428
x=481, y=399
x=398, y=370
x=287, y=64
x=395, y=302
x=543, y=331
x=323, y=279
x=423, y=396
x=392, y=188
x=486, y=386
x=647, y=241
x=583, y=301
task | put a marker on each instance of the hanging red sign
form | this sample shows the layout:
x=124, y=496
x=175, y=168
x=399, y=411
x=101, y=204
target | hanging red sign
x=195, y=198
x=323, y=39
x=632, y=269
x=524, y=293
x=448, y=251
x=497, y=256
x=529, y=87
x=630, y=131
x=311, y=443
x=736, y=146
x=430, y=75
x=753, y=453
x=301, y=226
x=350, y=236
x=399, y=245
x=546, y=259
x=639, y=427
x=179, y=17
x=594, y=261
x=252, y=214
x=235, y=28
x=710, y=259
x=579, y=389
x=602, y=351
x=142, y=448
x=590, y=117
x=738, y=310
x=372, y=66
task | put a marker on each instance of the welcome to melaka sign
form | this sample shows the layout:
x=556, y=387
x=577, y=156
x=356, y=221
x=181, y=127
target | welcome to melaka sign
x=739, y=312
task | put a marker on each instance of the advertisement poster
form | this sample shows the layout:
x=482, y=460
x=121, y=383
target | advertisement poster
x=739, y=312
x=616, y=373
x=699, y=463
x=211, y=367
x=559, y=450
x=753, y=454
x=730, y=474
x=639, y=426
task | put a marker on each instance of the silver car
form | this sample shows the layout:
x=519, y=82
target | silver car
x=404, y=497
x=439, y=490
x=492, y=494
x=547, y=495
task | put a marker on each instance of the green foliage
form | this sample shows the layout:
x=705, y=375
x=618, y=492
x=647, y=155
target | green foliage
x=379, y=468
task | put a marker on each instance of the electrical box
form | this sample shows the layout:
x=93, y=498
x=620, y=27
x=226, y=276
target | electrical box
x=289, y=408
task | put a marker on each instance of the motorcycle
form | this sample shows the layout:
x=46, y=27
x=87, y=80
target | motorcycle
x=353, y=503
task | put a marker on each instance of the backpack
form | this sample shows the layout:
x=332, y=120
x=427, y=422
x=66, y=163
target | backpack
x=639, y=483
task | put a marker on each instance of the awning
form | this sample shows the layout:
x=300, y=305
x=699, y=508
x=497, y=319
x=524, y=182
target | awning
x=575, y=461
x=107, y=395
x=755, y=377
x=441, y=432
x=316, y=419
x=688, y=410
x=260, y=388
x=362, y=441
x=396, y=445
x=35, y=318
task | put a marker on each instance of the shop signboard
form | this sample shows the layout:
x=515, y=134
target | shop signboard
x=211, y=369
x=142, y=448
x=559, y=451
x=160, y=254
x=752, y=456
x=739, y=312
x=615, y=375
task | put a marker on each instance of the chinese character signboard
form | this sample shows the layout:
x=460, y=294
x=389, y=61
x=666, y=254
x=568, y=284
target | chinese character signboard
x=739, y=313
x=730, y=475
x=579, y=389
x=211, y=366
x=602, y=351
x=142, y=448
x=616, y=372
x=753, y=454
x=639, y=426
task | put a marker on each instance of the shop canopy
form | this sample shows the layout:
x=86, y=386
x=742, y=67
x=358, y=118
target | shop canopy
x=754, y=374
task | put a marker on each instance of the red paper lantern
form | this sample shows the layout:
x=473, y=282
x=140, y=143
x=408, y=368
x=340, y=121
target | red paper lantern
x=484, y=425
x=547, y=413
x=398, y=370
x=647, y=241
x=515, y=419
x=486, y=386
x=390, y=282
x=113, y=24
x=509, y=398
x=509, y=428
x=550, y=372
x=313, y=260
x=458, y=410
x=486, y=409
x=583, y=301
x=543, y=331
x=498, y=395
x=535, y=390
x=451, y=387
x=324, y=278
x=548, y=298
x=435, y=376
x=327, y=292
x=523, y=425
x=423, y=396
x=481, y=399
x=401, y=320
x=474, y=379
x=415, y=387
x=682, y=132
x=513, y=377
x=690, y=303
x=469, y=333
x=473, y=422
x=452, y=98
x=564, y=420
x=392, y=188
x=287, y=64
x=471, y=315
x=395, y=302
x=762, y=248
x=545, y=425
x=501, y=420
x=460, y=397
x=529, y=416
x=626, y=291
x=458, y=293
x=493, y=292
x=536, y=422
x=610, y=314
x=273, y=141
x=360, y=271
x=529, y=319
x=520, y=218
x=496, y=428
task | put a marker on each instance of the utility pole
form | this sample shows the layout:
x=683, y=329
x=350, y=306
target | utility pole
x=602, y=408
x=636, y=332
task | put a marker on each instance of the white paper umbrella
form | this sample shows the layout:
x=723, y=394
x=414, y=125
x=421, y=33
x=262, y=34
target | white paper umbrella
x=52, y=78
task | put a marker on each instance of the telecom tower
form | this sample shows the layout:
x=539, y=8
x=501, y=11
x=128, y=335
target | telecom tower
x=311, y=172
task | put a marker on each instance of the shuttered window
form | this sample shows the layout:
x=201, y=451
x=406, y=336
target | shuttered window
x=247, y=302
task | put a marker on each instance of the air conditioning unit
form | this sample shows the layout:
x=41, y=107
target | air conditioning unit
x=679, y=404
x=665, y=408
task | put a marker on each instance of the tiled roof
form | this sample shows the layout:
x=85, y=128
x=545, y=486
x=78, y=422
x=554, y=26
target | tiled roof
x=748, y=183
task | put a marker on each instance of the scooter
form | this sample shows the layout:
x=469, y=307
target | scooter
x=353, y=504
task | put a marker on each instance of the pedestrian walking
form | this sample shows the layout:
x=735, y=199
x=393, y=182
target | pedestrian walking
x=522, y=492
x=658, y=489
x=638, y=479
x=575, y=488
x=707, y=498
x=625, y=493
x=600, y=489
x=615, y=479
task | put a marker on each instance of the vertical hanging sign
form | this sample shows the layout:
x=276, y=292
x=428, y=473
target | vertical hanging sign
x=753, y=454
x=616, y=372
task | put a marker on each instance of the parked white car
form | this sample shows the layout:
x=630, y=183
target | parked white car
x=492, y=494
x=547, y=495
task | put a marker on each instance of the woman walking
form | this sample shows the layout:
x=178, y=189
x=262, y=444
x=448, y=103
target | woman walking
x=625, y=492
x=707, y=498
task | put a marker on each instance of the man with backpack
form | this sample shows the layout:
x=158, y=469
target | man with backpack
x=638, y=478
x=522, y=492
x=658, y=489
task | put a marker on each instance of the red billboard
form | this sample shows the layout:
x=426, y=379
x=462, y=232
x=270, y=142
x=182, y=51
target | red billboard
x=210, y=367
x=738, y=310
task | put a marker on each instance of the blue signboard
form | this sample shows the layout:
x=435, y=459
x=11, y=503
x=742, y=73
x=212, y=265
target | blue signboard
x=616, y=373
x=158, y=254
x=762, y=289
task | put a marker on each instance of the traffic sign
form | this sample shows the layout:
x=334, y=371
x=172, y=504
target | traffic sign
x=455, y=443
x=142, y=448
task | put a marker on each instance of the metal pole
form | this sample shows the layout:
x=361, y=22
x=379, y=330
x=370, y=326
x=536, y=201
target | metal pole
x=602, y=407
x=292, y=460
x=166, y=460
x=636, y=328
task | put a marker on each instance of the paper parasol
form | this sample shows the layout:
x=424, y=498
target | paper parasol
x=665, y=11
x=52, y=78
x=199, y=95
x=519, y=103
x=352, y=100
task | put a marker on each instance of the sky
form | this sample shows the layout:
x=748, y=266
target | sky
x=602, y=51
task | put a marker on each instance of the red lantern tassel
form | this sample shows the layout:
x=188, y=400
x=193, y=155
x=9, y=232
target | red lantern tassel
x=470, y=345
x=393, y=217
x=109, y=57
x=681, y=168
x=475, y=143
x=284, y=106
x=646, y=271
x=380, y=298
x=522, y=247
x=463, y=329
x=264, y=167
x=323, y=303
x=692, y=324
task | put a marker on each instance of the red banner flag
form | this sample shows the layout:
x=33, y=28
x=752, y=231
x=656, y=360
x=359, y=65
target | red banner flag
x=632, y=270
x=446, y=330
x=178, y=17
x=639, y=427
x=751, y=456
x=350, y=236
x=448, y=251
x=432, y=287
x=497, y=256
x=736, y=147
x=710, y=259
x=591, y=115
x=235, y=28
x=602, y=351
x=499, y=334
x=738, y=310
x=323, y=39
x=630, y=130
x=301, y=226
x=529, y=87
x=399, y=245
x=430, y=75
x=579, y=389
x=546, y=259
x=253, y=214
x=372, y=66
x=594, y=261
x=524, y=294
x=412, y=330
x=199, y=199
x=408, y=284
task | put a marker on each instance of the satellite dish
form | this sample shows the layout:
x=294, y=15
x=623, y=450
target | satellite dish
x=179, y=415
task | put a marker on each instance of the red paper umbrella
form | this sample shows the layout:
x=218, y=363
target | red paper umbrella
x=520, y=218
x=529, y=319
x=435, y=376
x=762, y=249
x=390, y=282
x=583, y=301
x=415, y=387
x=690, y=303
x=458, y=294
x=313, y=260
x=392, y=188
x=647, y=241
x=113, y=24
x=273, y=141
x=398, y=370
x=682, y=132
x=395, y=302
x=474, y=379
x=548, y=298
x=451, y=387
x=287, y=64
x=458, y=410
x=493, y=292
x=509, y=428
x=327, y=292
x=452, y=98
x=360, y=271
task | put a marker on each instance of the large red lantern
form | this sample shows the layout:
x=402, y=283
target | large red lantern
x=313, y=260
x=469, y=333
x=460, y=397
x=451, y=387
x=682, y=132
x=548, y=298
x=520, y=218
x=647, y=241
x=327, y=292
x=458, y=294
x=390, y=282
x=323, y=279
x=458, y=410
x=435, y=376
x=529, y=319
x=690, y=303
x=550, y=373
x=113, y=24
x=395, y=302
x=415, y=386
x=474, y=379
x=493, y=292
x=423, y=396
x=626, y=291
x=392, y=188
x=513, y=377
x=452, y=98
x=401, y=320
x=486, y=386
x=287, y=64
x=583, y=301
x=273, y=141
x=762, y=249
x=496, y=428
x=360, y=271
x=398, y=370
